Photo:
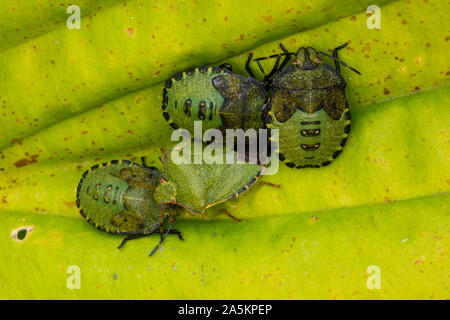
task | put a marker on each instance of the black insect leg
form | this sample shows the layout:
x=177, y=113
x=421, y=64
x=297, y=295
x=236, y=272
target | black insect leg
x=172, y=220
x=226, y=66
x=140, y=235
x=247, y=66
x=177, y=232
x=269, y=77
x=143, y=160
x=286, y=59
x=335, y=54
x=174, y=212
x=161, y=220
x=261, y=68
x=273, y=71
x=266, y=81
x=133, y=236
x=337, y=61
x=144, y=164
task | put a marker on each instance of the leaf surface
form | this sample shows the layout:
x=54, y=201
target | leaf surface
x=73, y=98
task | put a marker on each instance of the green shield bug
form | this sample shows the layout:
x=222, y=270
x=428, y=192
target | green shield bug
x=216, y=96
x=117, y=197
x=199, y=186
x=122, y=197
x=308, y=107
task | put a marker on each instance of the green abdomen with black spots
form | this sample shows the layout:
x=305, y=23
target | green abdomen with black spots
x=310, y=110
x=311, y=140
x=117, y=197
x=216, y=97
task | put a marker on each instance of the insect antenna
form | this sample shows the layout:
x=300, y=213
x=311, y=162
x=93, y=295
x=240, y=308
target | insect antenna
x=162, y=239
x=275, y=56
x=341, y=62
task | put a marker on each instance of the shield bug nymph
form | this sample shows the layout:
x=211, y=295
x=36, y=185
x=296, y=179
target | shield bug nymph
x=216, y=96
x=117, y=197
x=308, y=107
x=122, y=197
x=197, y=187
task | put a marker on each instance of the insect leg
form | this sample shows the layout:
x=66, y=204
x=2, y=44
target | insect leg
x=270, y=184
x=163, y=233
x=143, y=160
x=286, y=59
x=133, y=236
x=337, y=61
x=268, y=78
x=335, y=54
x=161, y=220
x=274, y=69
x=261, y=68
x=247, y=66
x=177, y=232
x=161, y=241
x=174, y=212
x=284, y=53
x=230, y=215
x=144, y=164
x=169, y=230
x=226, y=66
x=140, y=235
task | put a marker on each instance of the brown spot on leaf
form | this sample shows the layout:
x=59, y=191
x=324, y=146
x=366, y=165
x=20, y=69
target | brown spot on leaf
x=130, y=31
x=23, y=162
x=15, y=140
x=267, y=19
x=70, y=204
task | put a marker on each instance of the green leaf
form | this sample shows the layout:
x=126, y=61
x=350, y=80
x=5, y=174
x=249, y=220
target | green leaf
x=128, y=47
x=73, y=98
